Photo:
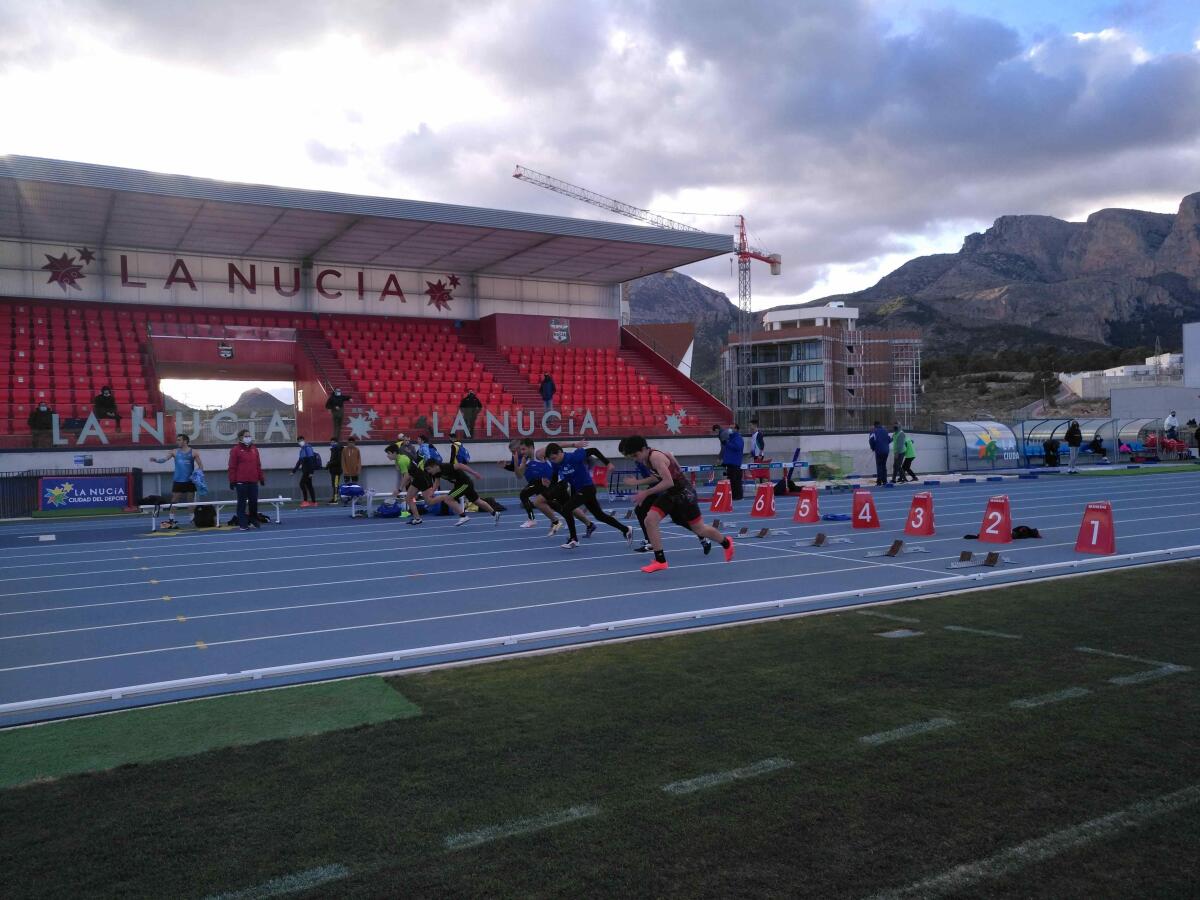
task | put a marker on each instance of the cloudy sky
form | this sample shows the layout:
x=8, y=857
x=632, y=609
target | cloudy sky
x=853, y=134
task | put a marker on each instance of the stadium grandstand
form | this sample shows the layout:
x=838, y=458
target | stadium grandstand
x=120, y=278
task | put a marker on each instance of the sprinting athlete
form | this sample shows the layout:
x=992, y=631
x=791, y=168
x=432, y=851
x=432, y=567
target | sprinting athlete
x=646, y=476
x=411, y=478
x=573, y=468
x=462, y=490
x=672, y=497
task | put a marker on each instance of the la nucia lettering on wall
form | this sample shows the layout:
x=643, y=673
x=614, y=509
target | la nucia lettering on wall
x=222, y=427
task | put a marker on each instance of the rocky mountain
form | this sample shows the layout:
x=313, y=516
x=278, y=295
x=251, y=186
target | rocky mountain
x=672, y=297
x=256, y=400
x=1121, y=279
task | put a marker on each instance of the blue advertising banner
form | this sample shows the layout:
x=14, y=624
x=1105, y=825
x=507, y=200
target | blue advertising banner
x=81, y=492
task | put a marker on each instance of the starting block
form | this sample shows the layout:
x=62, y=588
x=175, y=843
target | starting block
x=966, y=560
x=821, y=539
x=897, y=549
x=629, y=514
x=716, y=523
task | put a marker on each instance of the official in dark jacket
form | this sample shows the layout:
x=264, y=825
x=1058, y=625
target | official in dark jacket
x=335, y=404
x=104, y=405
x=731, y=457
x=41, y=425
x=881, y=443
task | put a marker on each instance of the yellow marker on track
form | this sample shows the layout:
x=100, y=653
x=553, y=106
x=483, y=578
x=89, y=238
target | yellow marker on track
x=200, y=645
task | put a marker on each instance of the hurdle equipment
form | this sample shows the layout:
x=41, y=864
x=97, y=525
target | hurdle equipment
x=821, y=539
x=807, y=505
x=920, y=515
x=722, y=500
x=863, y=511
x=997, y=521
x=764, y=502
x=1096, y=532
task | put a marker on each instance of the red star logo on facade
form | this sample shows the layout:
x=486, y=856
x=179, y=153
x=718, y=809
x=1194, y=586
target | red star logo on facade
x=63, y=271
x=453, y=279
x=439, y=294
x=85, y=255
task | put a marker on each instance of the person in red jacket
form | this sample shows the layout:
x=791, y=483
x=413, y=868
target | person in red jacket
x=245, y=475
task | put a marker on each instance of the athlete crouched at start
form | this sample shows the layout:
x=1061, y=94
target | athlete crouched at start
x=462, y=489
x=672, y=497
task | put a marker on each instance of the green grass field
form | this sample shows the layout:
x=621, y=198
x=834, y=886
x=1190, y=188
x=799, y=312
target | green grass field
x=545, y=776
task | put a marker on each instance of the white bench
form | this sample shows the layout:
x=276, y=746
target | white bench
x=155, y=509
x=370, y=495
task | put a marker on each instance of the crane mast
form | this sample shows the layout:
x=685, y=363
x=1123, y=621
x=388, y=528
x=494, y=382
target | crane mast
x=740, y=395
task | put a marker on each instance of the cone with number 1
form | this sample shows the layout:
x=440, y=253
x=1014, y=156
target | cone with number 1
x=1096, y=532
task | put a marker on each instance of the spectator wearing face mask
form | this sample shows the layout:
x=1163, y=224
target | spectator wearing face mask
x=104, y=405
x=307, y=463
x=335, y=404
x=41, y=425
x=335, y=471
x=245, y=476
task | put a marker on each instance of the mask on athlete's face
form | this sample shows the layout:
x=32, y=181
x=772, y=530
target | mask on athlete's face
x=247, y=440
x=42, y=407
x=302, y=443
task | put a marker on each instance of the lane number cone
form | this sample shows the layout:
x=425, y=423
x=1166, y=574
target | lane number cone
x=863, y=511
x=807, y=507
x=764, y=502
x=920, y=515
x=997, y=521
x=1096, y=532
x=722, y=501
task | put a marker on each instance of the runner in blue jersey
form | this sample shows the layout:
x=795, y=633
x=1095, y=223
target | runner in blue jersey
x=575, y=470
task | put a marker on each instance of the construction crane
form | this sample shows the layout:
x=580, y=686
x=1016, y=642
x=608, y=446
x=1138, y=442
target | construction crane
x=740, y=391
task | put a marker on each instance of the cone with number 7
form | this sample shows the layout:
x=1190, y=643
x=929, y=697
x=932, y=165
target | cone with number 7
x=997, y=521
x=863, y=511
x=920, y=515
x=1096, y=532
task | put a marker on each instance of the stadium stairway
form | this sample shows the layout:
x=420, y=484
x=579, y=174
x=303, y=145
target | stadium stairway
x=525, y=395
x=702, y=410
x=333, y=373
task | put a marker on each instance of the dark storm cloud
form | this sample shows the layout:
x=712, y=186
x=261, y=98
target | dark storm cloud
x=842, y=132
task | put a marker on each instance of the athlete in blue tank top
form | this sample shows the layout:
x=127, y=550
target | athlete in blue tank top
x=187, y=463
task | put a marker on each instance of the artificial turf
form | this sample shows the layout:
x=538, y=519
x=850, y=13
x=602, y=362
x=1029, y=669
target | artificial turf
x=589, y=739
x=185, y=729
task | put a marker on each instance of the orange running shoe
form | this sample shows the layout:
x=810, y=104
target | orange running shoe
x=655, y=566
x=729, y=551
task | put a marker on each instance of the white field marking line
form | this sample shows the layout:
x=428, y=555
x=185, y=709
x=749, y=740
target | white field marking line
x=287, y=884
x=905, y=731
x=702, y=782
x=1006, y=862
x=520, y=826
x=982, y=631
x=950, y=500
x=879, y=563
x=879, y=615
x=1070, y=693
x=1160, y=670
x=509, y=640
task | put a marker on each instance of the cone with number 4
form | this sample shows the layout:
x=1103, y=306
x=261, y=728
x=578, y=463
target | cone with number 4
x=863, y=511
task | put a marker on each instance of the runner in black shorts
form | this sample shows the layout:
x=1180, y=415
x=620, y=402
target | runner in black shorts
x=672, y=497
x=645, y=476
x=462, y=490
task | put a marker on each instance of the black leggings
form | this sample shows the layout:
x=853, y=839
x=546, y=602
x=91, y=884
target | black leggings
x=527, y=495
x=306, y=488
x=586, y=497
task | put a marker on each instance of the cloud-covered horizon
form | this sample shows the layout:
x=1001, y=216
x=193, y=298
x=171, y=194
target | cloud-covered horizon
x=848, y=137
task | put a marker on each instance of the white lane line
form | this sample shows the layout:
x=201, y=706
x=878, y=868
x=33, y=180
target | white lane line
x=1149, y=675
x=897, y=734
x=982, y=631
x=287, y=884
x=520, y=826
x=888, y=616
x=1044, y=699
x=1110, y=655
x=1006, y=862
x=702, y=782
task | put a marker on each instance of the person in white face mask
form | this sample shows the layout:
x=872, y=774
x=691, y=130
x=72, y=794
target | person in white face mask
x=245, y=476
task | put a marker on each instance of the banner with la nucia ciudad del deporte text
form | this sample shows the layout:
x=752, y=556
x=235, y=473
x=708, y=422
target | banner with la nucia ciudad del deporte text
x=223, y=427
x=79, y=492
